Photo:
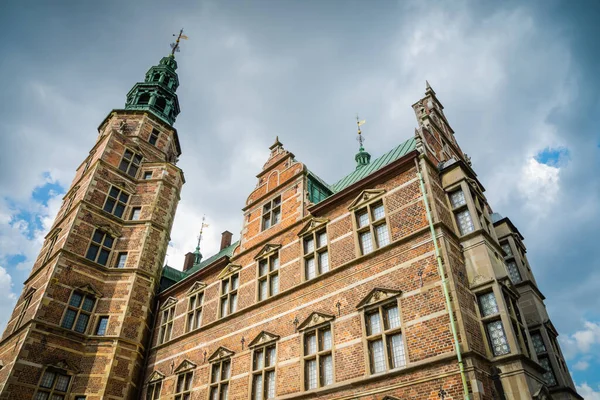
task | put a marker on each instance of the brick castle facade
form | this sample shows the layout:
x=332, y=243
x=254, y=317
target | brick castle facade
x=397, y=282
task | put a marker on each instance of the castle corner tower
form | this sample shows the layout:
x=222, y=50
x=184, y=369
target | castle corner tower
x=80, y=327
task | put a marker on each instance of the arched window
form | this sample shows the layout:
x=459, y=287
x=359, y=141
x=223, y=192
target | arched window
x=161, y=103
x=156, y=77
x=144, y=98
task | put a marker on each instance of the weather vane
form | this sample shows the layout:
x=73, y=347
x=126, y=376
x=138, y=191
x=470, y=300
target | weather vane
x=175, y=46
x=360, y=138
x=202, y=226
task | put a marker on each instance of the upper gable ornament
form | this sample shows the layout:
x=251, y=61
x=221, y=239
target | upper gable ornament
x=220, y=353
x=312, y=225
x=315, y=319
x=366, y=196
x=378, y=295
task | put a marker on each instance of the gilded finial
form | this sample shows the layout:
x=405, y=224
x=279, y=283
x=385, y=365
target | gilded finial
x=197, y=252
x=360, y=137
x=175, y=46
x=362, y=157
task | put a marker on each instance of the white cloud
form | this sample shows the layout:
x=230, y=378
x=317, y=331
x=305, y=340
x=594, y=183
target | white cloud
x=582, y=341
x=7, y=296
x=539, y=185
x=587, y=392
x=581, y=365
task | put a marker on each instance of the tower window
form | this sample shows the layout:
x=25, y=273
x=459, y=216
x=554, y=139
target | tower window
x=263, y=373
x=268, y=277
x=130, y=163
x=24, y=307
x=160, y=104
x=183, y=390
x=229, y=297
x=100, y=247
x=116, y=201
x=316, y=257
x=148, y=175
x=101, y=326
x=78, y=312
x=121, y=260
x=135, y=213
x=461, y=212
x=371, y=224
x=50, y=247
x=153, y=392
x=144, y=99
x=153, y=137
x=513, y=272
x=318, y=361
x=488, y=306
x=54, y=385
x=156, y=77
x=271, y=213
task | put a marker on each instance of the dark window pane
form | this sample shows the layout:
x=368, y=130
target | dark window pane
x=114, y=192
x=98, y=235
x=123, y=166
x=92, y=252
x=75, y=300
x=88, y=303
x=108, y=241
x=109, y=205
x=119, y=210
x=133, y=170
x=103, y=257
x=69, y=319
x=124, y=197
x=128, y=154
x=62, y=382
x=82, y=322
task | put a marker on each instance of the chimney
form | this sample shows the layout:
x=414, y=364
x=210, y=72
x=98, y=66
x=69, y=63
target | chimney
x=189, y=261
x=225, y=239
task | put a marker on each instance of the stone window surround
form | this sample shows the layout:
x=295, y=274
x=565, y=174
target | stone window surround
x=83, y=292
x=105, y=232
x=194, y=314
x=167, y=318
x=470, y=205
x=131, y=162
x=366, y=200
x=315, y=254
x=154, y=386
x=52, y=391
x=24, y=306
x=273, y=205
x=231, y=293
x=517, y=322
x=262, y=343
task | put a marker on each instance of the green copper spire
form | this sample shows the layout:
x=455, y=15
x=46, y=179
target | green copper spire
x=362, y=157
x=197, y=254
x=157, y=93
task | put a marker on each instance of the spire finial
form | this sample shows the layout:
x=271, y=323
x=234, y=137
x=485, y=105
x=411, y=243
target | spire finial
x=428, y=88
x=175, y=46
x=362, y=157
x=276, y=144
x=197, y=252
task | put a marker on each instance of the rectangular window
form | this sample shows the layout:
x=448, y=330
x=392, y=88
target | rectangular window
x=153, y=392
x=263, y=373
x=135, y=213
x=229, y=295
x=166, y=325
x=24, y=307
x=121, y=260
x=548, y=376
x=50, y=248
x=488, y=304
x=183, y=389
x=464, y=221
x=130, y=163
x=457, y=199
x=53, y=385
x=100, y=247
x=79, y=311
x=316, y=255
x=506, y=247
x=384, y=338
x=268, y=276
x=271, y=213
x=513, y=272
x=538, y=343
x=497, y=338
x=69, y=203
x=318, y=361
x=116, y=201
x=219, y=380
x=372, y=227
x=194, y=314
x=153, y=137
x=102, y=325
x=148, y=175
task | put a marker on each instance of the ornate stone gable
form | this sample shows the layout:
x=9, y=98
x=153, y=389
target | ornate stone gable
x=171, y=301
x=196, y=287
x=312, y=225
x=156, y=376
x=267, y=250
x=185, y=365
x=64, y=365
x=229, y=270
x=366, y=196
x=91, y=289
x=263, y=338
x=378, y=295
x=315, y=319
x=220, y=353
x=110, y=230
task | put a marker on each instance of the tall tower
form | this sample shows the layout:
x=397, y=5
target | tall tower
x=80, y=327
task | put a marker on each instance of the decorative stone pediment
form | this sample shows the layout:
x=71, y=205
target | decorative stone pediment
x=64, y=365
x=220, y=353
x=312, y=225
x=196, y=287
x=91, y=289
x=229, y=270
x=156, y=376
x=185, y=365
x=263, y=338
x=110, y=230
x=171, y=301
x=378, y=295
x=366, y=196
x=479, y=280
x=390, y=398
x=314, y=319
x=267, y=250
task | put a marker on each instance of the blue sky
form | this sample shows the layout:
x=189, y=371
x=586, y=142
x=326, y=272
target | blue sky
x=518, y=81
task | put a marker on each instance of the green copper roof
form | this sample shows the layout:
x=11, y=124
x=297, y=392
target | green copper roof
x=366, y=170
x=172, y=273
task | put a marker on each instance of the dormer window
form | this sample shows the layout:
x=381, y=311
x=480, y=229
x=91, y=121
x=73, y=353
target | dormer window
x=271, y=213
x=130, y=163
x=372, y=227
